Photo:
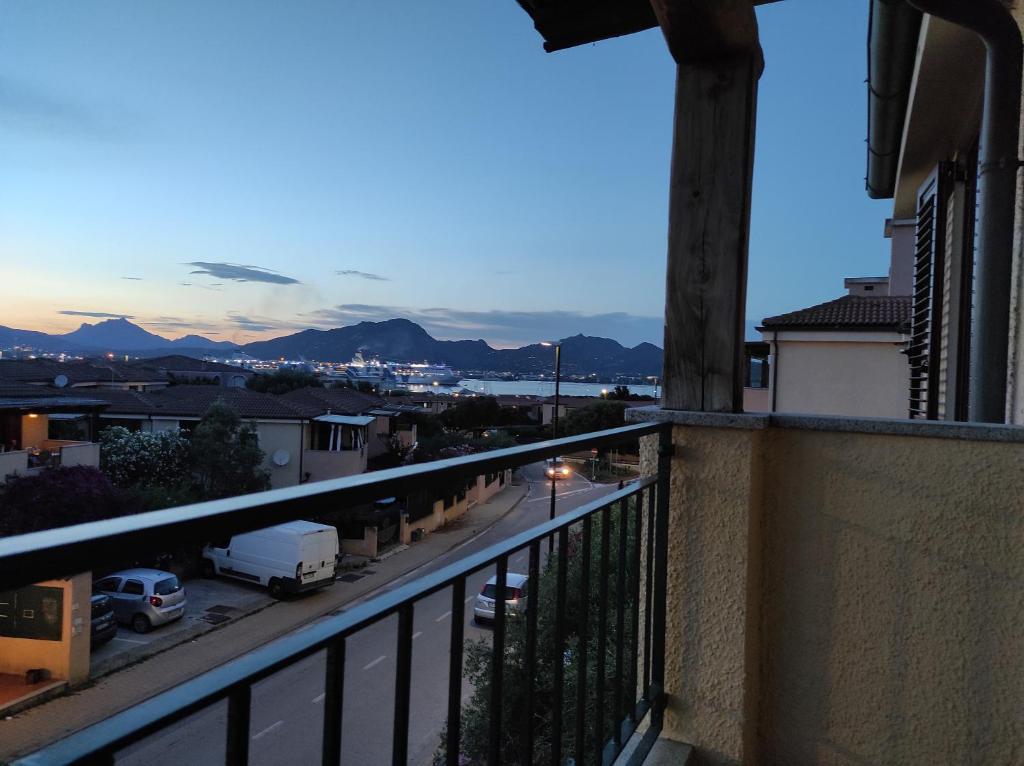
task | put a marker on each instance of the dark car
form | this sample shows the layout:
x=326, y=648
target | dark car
x=104, y=626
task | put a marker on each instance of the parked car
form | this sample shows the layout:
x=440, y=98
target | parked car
x=143, y=598
x=104, y=625
x=556, y=469
x=287, y=558
x=515, y=597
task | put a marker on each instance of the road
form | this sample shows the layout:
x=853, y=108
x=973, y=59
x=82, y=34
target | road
x=287, y=708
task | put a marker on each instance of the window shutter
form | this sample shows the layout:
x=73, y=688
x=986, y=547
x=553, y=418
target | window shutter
x=924, y=351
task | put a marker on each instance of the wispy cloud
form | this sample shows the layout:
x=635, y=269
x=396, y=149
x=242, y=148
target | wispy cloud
x=35, y=108
x=94, y=314
x=238, y=272
x=262, y=323
x=133, y=279
x=180, y=324
x=362, y=275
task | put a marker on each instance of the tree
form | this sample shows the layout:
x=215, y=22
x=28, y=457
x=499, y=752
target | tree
x=476, y=413
x=622, y=394
x=284, y=380
x=58, y=497
x=517, y=686
x=595, y=417
x=226, y=456
x=141, y=459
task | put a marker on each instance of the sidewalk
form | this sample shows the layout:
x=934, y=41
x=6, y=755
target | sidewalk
x=59, y=717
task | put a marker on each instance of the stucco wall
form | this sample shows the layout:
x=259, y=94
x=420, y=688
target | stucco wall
x=1015, y=394
x=284, y=436
x=893, y=600
x=845, y=596
x=842, y=378
x=321, y=464
x=67, y=659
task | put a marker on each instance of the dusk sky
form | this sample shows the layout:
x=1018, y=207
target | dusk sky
x=246, y=169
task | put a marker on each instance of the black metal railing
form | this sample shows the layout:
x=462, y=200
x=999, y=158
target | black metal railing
x=614, y=657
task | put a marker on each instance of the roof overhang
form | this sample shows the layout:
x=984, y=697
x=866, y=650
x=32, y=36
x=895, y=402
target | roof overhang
x=346, y=420
x=568, y=23
x=50, y=404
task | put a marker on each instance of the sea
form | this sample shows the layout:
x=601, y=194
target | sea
x=534, y=388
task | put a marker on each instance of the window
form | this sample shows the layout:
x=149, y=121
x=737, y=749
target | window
x=107, y=584
x=134, y=588
x=167, y=586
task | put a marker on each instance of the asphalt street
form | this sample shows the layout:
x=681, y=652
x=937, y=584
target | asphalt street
x=287, y=708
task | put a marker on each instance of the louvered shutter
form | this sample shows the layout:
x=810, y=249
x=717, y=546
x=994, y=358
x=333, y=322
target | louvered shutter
x=924, y=350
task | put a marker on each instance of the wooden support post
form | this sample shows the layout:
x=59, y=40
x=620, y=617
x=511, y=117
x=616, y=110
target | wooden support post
x=709, y=227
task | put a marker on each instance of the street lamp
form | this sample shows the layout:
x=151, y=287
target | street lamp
x=554, y=425
x=558, y=379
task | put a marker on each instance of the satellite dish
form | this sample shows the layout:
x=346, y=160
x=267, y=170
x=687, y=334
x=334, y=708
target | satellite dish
x=281, y=457
x=60, y=381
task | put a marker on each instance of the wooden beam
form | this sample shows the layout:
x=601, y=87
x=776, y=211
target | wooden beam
x=708, y=30
x=709, y=226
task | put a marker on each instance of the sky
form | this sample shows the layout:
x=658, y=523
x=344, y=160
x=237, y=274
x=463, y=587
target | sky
x=246, y=168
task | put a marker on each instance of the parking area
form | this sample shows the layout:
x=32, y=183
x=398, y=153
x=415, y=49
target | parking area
x=210, y=602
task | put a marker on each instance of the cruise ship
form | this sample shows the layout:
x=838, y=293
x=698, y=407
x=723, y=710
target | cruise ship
x=423, y=374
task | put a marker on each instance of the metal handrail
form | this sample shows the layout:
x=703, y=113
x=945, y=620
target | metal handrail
x=233, y=681
x=37, y=556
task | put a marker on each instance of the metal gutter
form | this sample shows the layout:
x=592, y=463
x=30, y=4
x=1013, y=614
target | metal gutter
x=998, y=163
x=893, y=30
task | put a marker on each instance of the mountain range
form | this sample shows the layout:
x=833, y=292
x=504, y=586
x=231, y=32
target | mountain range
x=393, y=339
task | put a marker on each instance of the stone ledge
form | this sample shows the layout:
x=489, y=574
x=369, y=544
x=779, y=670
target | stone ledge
x=931, y=429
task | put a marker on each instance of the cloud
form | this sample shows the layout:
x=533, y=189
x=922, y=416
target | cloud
x=261, y=323
x=177, y=324
x=362, y=275
x=238, y=272
x=501, y=328
x=94, y=314
x=35, y=109
x=133, y=279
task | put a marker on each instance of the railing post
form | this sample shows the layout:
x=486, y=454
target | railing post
x=665, y=450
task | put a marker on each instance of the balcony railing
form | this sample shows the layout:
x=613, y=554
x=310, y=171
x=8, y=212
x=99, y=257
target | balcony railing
x=614, y=661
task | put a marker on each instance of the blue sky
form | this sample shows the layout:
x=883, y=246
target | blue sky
x=245, y=169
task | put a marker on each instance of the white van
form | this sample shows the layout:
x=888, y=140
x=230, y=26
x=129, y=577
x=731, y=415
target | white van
x=287, y=558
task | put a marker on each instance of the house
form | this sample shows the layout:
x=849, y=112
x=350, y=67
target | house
x=82, y=373
x=343, y=424
x=281, y=430
x=812, y=589
x=185, y=369
x=569, y=404
x=35, y=424
x=842, y=357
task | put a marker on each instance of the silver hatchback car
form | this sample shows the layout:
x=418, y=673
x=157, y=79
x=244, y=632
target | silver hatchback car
x=515, y=597
x=143, y=598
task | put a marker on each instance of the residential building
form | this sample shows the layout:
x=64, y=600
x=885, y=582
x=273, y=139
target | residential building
x=82, y=373
x=34, y=424
x=185, y=369
x=569, y=404
x=843, y=357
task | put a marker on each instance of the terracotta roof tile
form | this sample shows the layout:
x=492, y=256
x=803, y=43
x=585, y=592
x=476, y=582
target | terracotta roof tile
x=857, y=312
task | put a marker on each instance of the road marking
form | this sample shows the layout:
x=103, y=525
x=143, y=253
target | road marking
x=129, y=640
x=444, y=616
x=267, y=730
x=375, y=662
x=417, y=634
x=319, y=698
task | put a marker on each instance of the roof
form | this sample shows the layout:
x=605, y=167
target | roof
x=583, y=401
x=194, y=401
x=76, y=372
x=346, y=420
x=180, y=363
x=317, y=401
x=851, y=312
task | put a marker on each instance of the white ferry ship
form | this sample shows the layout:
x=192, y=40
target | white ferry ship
x=423, y=374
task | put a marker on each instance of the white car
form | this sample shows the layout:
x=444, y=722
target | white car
x=515, y=597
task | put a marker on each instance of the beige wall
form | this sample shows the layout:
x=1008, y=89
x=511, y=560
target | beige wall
x=287, y=436
x=67, y=659
x=846, y=596
x=321, y=464
x=80, y=454
x=756, y=400
x=841, y=376
x=13, y=462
